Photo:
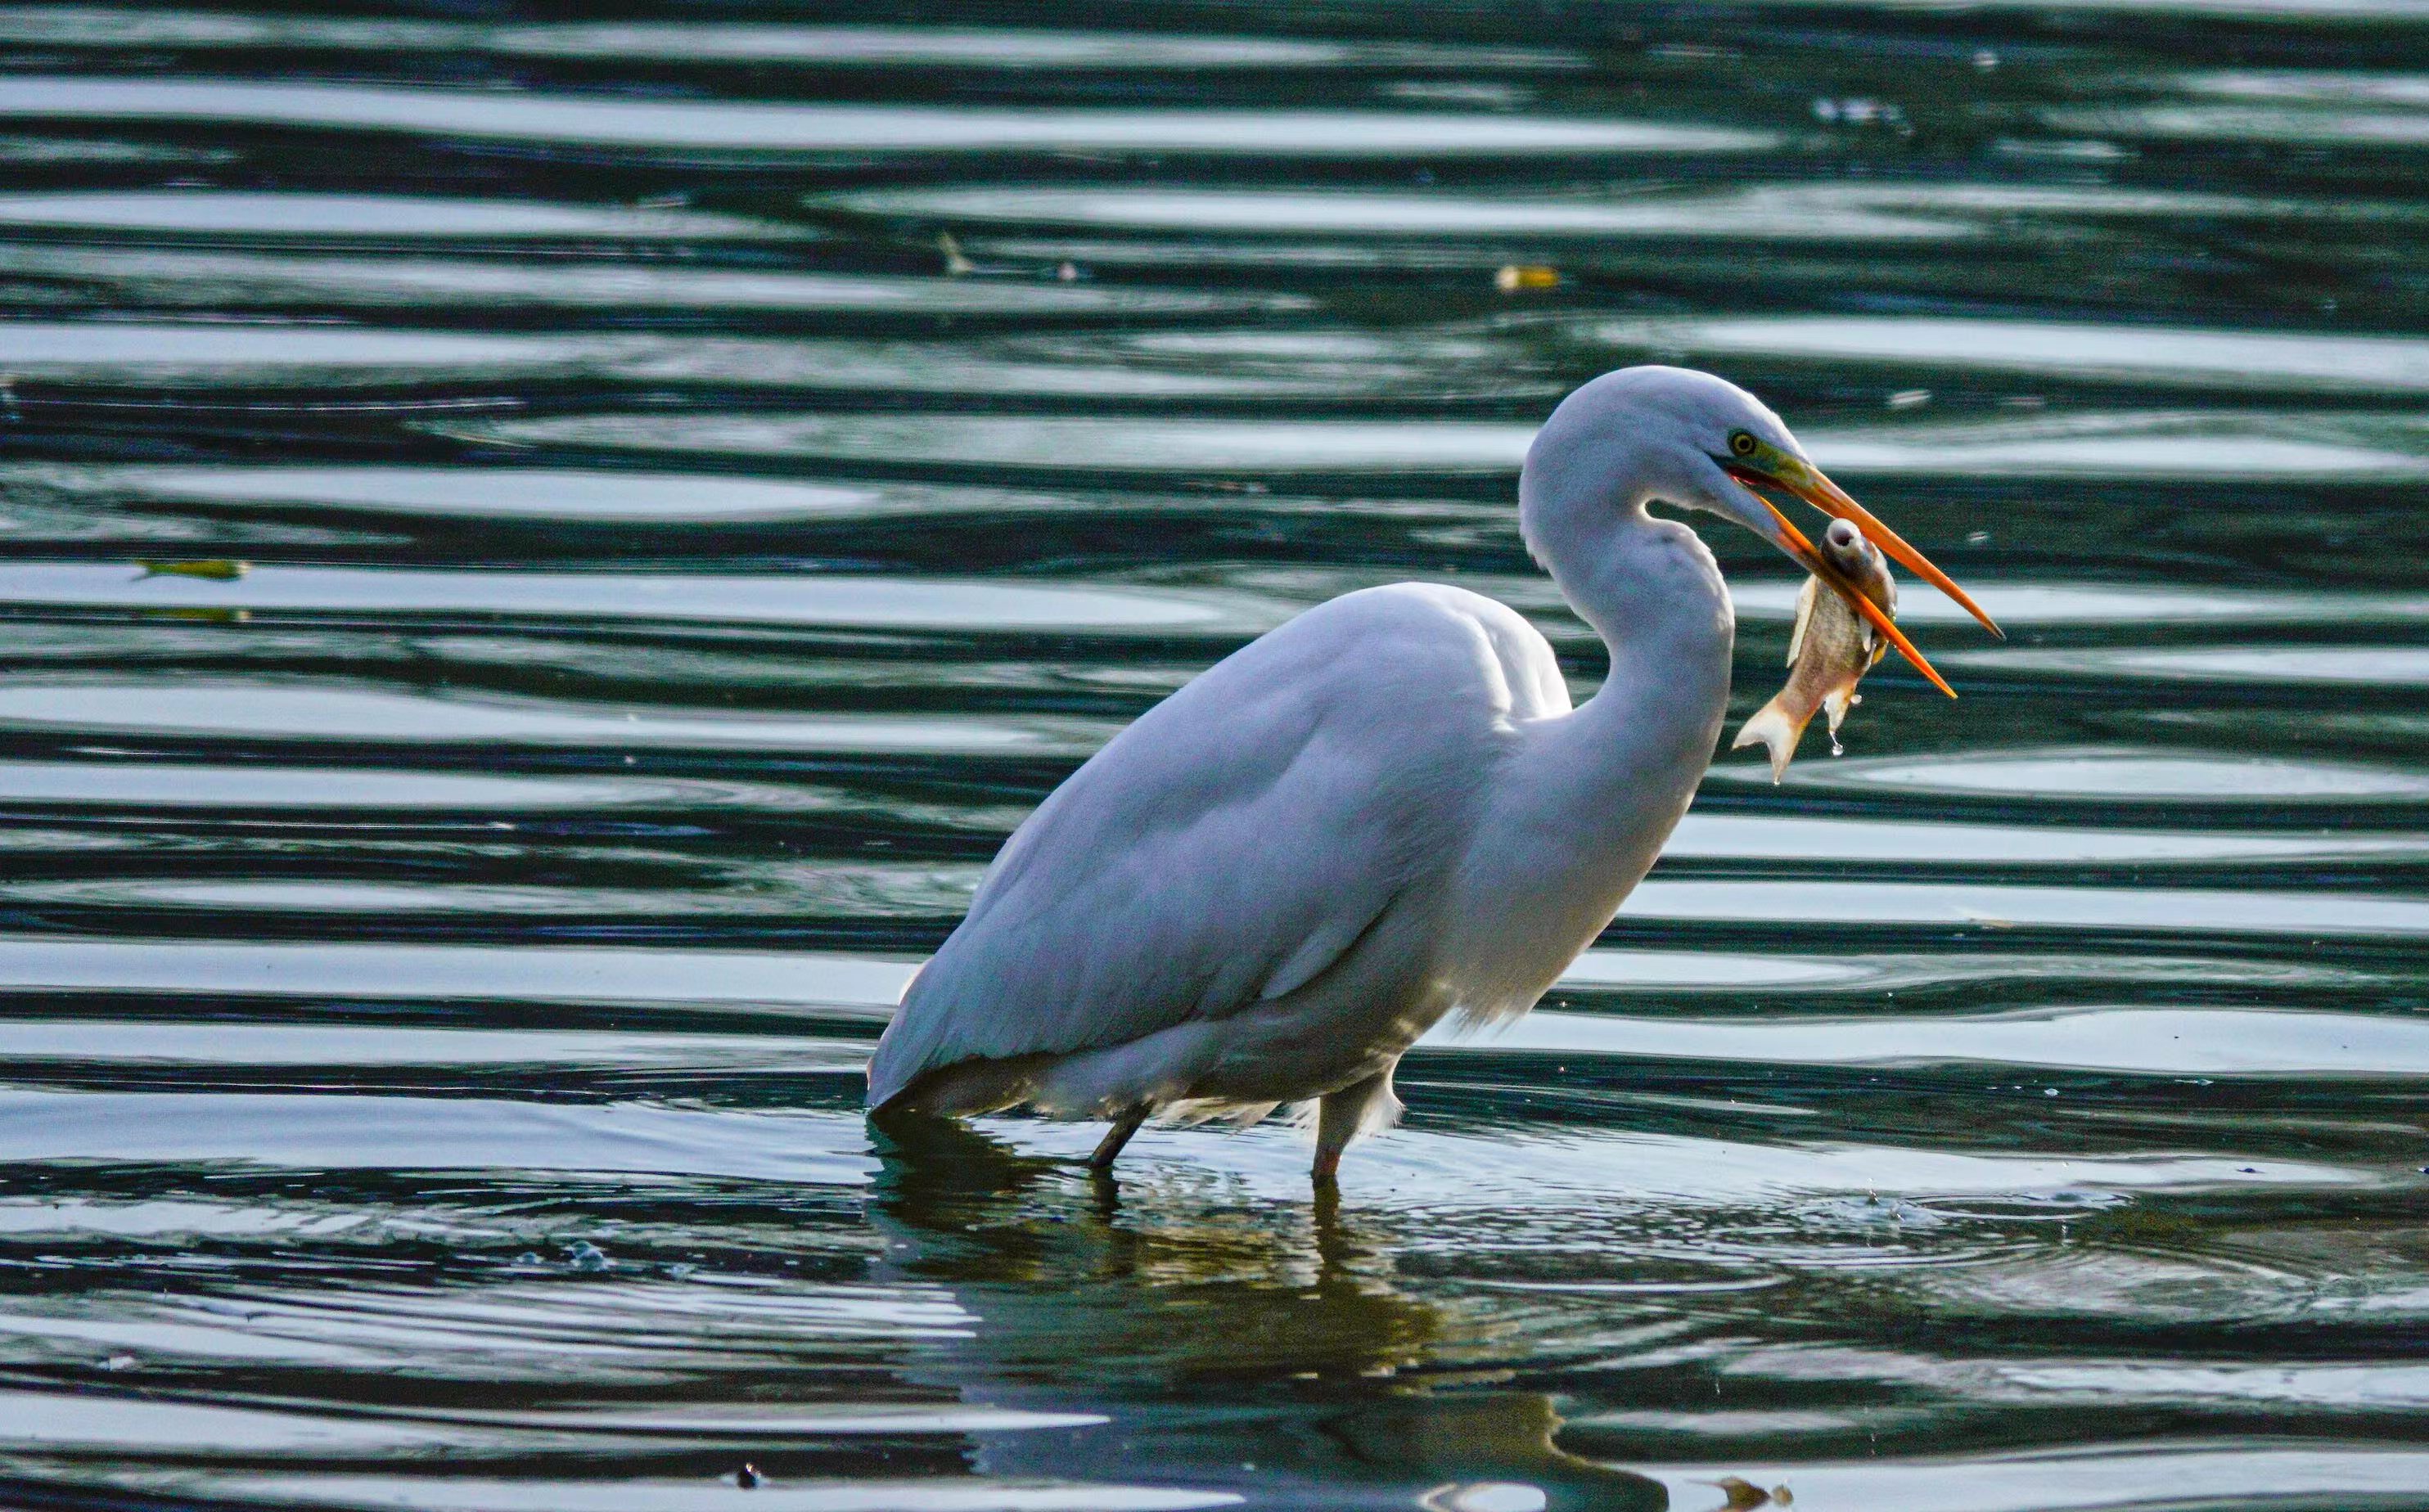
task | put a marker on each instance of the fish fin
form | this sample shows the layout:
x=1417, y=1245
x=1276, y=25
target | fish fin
x=1804, y=618
x=1836, y=702
x=1777, y=731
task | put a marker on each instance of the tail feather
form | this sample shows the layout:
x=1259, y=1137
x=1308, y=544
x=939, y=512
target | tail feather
x=1773, y=728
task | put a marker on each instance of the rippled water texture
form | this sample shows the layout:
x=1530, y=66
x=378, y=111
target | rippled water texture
x=706, y=473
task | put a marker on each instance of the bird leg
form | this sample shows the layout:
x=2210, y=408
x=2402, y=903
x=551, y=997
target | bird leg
x=1357, y=1109
x=1126, y=1124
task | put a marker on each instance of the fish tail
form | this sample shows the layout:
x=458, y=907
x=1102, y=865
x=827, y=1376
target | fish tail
x=1777, y=731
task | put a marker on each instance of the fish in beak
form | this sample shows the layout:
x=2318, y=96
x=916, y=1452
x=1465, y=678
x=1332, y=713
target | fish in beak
x=1765, y=466
x=1829, y=652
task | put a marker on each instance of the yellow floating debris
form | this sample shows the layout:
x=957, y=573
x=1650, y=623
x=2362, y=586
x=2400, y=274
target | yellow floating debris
x=217, y=569
x=956, y=266
x=1516, y=276
x=1743, y=1495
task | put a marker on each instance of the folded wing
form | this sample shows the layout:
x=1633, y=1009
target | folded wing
x=1234, y=841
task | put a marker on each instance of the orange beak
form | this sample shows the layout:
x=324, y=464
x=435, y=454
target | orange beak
x=1807, y=483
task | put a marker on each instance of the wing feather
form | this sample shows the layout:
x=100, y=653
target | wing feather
x=1236, y=839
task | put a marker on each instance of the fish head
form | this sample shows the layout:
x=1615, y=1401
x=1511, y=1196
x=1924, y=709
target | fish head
x=1847, y=546
x=1861, y=562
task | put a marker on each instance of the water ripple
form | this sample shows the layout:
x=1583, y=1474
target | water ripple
x=541, y=553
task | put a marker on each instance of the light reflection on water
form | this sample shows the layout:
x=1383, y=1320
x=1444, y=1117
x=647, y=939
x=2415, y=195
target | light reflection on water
x=702, y=479
x=373, y=217
x=755, y=128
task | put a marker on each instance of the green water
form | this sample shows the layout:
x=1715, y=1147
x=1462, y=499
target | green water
x=674, y=570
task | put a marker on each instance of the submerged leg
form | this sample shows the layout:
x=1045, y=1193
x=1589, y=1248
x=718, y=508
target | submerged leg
x=1126, y=1124
x=1360, y=1108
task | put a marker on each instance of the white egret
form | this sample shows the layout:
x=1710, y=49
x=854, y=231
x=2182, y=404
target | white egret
x=1382, y=812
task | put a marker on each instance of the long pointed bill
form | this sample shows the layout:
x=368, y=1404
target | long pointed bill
x=1808, y=484
x=1823, y=567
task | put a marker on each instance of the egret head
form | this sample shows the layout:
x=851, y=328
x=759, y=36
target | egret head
x=1692, y=439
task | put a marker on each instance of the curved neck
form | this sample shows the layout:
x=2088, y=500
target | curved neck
x=1592, y=794
x=1649, y=587
x=1652, y=592
x=1654, y=595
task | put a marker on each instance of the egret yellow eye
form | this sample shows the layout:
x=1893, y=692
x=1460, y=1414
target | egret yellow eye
x=1741, y=443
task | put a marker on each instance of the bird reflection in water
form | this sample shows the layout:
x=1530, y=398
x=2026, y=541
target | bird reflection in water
x=1083, y=1298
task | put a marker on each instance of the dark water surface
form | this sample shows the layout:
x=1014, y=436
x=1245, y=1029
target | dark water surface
x=436, y=966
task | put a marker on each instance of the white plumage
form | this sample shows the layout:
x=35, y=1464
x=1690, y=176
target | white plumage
x=1382, y=812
